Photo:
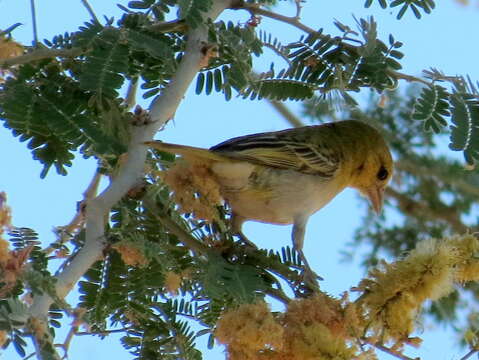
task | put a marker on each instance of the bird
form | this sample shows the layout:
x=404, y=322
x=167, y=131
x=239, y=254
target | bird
x=283, y=177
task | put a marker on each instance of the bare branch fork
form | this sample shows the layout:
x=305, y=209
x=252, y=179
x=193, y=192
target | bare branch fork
x=162, y=109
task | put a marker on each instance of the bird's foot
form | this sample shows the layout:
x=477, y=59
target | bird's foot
x=310, y=280
x=246, y=241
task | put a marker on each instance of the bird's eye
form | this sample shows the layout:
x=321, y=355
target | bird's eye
x=382, y=174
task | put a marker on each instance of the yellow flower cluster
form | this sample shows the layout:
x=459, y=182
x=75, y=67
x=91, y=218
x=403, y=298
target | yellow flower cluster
x=172, y=283
x=131, y=253
x=322, y=327
x=249, y=331
x=310, y=329
x=195, y=189
x=394, y=293
x=8, y=49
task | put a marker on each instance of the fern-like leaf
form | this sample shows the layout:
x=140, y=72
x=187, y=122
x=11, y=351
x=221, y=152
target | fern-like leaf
x=223, y=279
x=432, y=106
x=191, y=11
x=465, y=129
x=279, y=89
x=105, y=64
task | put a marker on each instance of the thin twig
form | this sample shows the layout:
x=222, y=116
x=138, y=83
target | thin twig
x=279, y=295
x=279, y=53
x=29, y=356
x=76, y=223
x=130, y=98
x=469, y=354
x=90, y=10
x=183, y=236
x=169, y=26
x=408, y=78
x=39, y=54
x=66, y=344
x=34, y=22
x=413, y=167
x=418, y=209
x=287, y=114
x=254, y=9
x=389, y=351
x=298, y=8
x=104, y=332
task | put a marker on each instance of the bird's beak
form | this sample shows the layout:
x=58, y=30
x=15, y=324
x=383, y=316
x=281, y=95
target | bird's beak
x=375, y=194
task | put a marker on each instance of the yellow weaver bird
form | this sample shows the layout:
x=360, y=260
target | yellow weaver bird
x=284, y=177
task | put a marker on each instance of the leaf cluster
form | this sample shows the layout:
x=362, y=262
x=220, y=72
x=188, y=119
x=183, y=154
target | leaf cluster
x=415, y=6
x=325, y=63
x=436, y=103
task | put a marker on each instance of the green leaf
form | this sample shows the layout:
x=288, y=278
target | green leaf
x=209, y=82
x=104, y=65
x=200, y=83
x=465, y=128
x=223, y=279
x=156, y=45
x=432, y=106
x=279, y=89
x=191, y=11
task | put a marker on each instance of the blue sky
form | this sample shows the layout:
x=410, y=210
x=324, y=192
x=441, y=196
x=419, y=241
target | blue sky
x=446, y=39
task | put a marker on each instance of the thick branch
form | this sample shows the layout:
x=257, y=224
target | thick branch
x=162, y=109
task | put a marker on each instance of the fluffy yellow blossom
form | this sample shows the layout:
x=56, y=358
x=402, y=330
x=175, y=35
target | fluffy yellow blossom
x=3, y=337
x=394, y=293
x=130, y=254
x=195, y=189
x=248, y=331
x=317, y=328
x=172, y=283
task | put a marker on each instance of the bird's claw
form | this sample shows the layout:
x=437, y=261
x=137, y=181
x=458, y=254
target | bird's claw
x=310, y=280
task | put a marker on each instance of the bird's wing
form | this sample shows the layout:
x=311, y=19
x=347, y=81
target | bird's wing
x=272, y=149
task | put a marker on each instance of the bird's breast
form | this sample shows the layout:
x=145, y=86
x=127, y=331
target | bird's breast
x=272, y=195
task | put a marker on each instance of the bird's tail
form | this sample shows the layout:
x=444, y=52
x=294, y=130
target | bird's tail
x=185, y=151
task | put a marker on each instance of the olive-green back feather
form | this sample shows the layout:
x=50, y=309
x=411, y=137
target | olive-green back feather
x=187, y=151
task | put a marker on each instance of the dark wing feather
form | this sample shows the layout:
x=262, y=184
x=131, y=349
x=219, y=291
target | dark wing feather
x=281, y=150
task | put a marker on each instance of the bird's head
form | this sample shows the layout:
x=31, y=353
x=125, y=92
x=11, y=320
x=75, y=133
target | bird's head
x=373, y=171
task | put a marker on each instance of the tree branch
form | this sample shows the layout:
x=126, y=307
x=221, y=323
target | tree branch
x=40, y=54
x=183, y=236
x=469, y=354
x=66, y=231
x=389, y=351
x=162, y=109
x=255, y=9
x=34, y=23
x=130, y=98
x=287, y=114
x=419, y=170
x=417, y=209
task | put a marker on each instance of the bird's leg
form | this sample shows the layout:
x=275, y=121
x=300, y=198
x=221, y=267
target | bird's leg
x=299, y=228
x=236, y=225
